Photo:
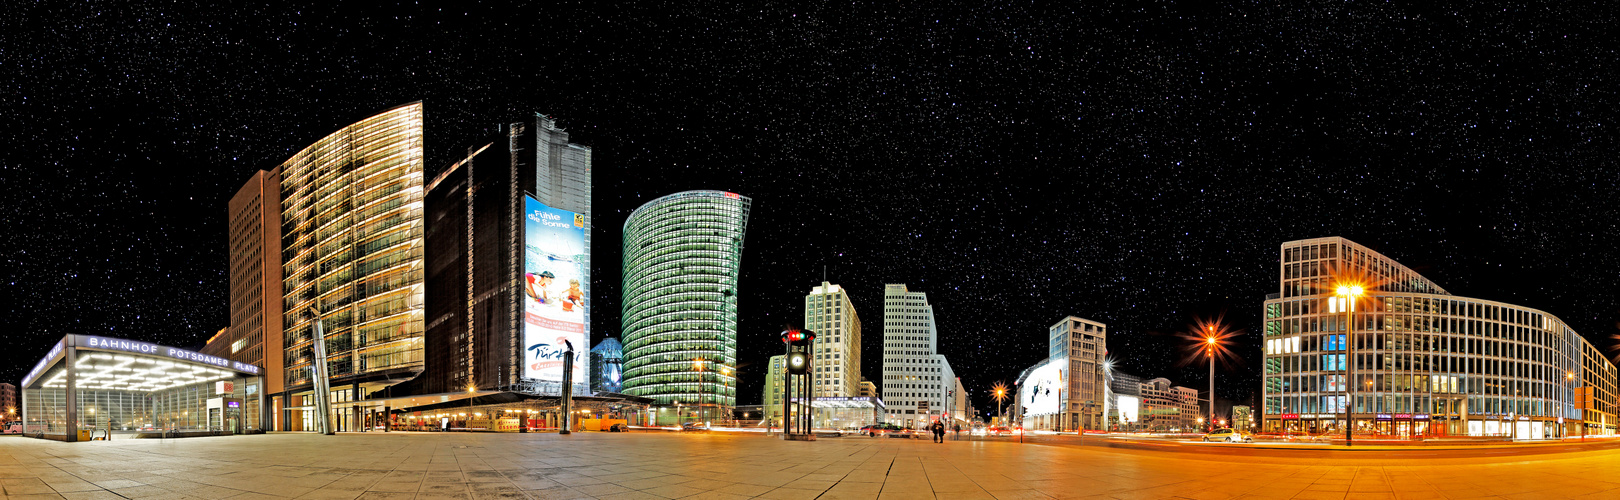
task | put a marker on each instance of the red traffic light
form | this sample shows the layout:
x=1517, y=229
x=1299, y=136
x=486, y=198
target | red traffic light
x=797, y=335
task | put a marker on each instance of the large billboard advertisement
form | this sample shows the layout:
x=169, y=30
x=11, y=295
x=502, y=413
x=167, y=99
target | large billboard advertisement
x=1043, y=390
x=554, y=299
x=1130, y=409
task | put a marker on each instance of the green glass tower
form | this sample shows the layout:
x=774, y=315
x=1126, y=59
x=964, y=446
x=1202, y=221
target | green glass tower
x=681, y=259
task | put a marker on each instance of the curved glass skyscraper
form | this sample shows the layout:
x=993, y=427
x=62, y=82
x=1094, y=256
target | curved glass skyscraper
x=351, y=207
x=681, y=257
x=1422, y=362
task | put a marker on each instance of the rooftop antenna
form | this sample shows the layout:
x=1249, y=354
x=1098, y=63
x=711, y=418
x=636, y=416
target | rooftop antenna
x=823, y=273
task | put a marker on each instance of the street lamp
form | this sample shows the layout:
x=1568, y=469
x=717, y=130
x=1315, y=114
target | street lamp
x=725, y=373
x=1000, y=396
x=1347, y=295
x=1209, y=352
x=697, y=365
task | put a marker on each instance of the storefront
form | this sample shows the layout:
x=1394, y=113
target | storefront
x=93, y=387
x=515, y=412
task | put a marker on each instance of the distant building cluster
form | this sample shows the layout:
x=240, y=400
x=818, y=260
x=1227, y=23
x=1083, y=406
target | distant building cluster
x=364, y=294
x=473, y=285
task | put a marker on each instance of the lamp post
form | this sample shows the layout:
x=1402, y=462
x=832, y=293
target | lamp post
x=1209, y=352
x=725, y=372
x=697, y=365
x=1347, y=295
x=1001, y=396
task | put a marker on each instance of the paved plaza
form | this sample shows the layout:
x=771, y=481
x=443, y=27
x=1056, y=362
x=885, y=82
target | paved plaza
x=718, y=465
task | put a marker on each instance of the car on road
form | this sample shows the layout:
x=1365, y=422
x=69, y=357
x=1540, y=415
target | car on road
x=13, y=428
x=997, y=430
x=694, y=426
x=886, y=429
x=1229, y=436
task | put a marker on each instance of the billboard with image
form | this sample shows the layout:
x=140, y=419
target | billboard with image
x=1043, y=390
x=1129, y=409
x=554, y=300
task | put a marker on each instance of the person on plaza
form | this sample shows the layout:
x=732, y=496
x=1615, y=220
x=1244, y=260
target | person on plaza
x=958, y=430
x=939, y=431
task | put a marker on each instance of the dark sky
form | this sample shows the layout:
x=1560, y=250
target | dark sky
x=1133, y=164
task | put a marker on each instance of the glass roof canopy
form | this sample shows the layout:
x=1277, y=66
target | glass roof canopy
x=134, y=373
x=118, y=364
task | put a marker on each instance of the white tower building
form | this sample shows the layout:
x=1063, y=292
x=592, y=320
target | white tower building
x=918, y=384
x=829, y=313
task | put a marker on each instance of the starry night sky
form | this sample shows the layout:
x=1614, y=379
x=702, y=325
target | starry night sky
x=1133, y=164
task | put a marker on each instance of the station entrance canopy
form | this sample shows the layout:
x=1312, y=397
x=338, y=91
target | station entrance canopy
x=131, y=387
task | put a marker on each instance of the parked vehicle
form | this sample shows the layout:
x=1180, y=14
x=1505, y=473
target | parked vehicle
x=619, y=428
x=1229, y=436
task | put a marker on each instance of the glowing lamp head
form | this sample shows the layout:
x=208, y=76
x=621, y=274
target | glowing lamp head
x=1355, y=291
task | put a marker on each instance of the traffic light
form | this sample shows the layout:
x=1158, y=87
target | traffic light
x=798, y=362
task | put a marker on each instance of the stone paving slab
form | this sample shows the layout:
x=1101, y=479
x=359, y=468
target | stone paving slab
x=721, y=466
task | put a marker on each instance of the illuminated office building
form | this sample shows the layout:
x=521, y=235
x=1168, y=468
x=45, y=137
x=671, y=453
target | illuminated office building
x=476, y=275
x=352, y=249
x=918, y=384
x=681, y=258
x=1427, y=363
x=254, y=228
x=837, y=350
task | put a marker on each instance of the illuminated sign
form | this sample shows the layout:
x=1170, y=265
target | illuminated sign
x=1129, y=409
x=1043, y=389
x=1382, y=417
x=554, y=301
x=112, y=344
x=234, y=404
x=1290, y=416
x=181, y=354
x=40, y=366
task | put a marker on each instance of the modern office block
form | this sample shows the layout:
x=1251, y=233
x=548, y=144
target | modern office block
x=253, y=220
x=478, y=253
x=352, y=254
x=681, y=258
x=918, y=384
x=1425, y=362
x=837, y=350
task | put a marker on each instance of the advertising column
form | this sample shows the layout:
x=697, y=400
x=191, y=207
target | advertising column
x=554, y=298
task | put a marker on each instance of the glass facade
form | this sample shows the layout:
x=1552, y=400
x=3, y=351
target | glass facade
x=352, y=243
x=681, y=258
x=99, y=385
x=1425, y=363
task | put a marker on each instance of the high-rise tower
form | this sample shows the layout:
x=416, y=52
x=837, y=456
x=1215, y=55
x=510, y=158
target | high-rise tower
x=480, y=255
x=352, y=243
x=681, y=258
x=837, y=350
x=918, y=384
x=255, y=335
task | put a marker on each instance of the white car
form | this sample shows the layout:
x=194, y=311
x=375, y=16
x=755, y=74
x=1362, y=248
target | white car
x=1228, y=435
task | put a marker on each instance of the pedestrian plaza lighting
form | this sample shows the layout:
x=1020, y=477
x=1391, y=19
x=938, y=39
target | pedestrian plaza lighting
x=1345, y=300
